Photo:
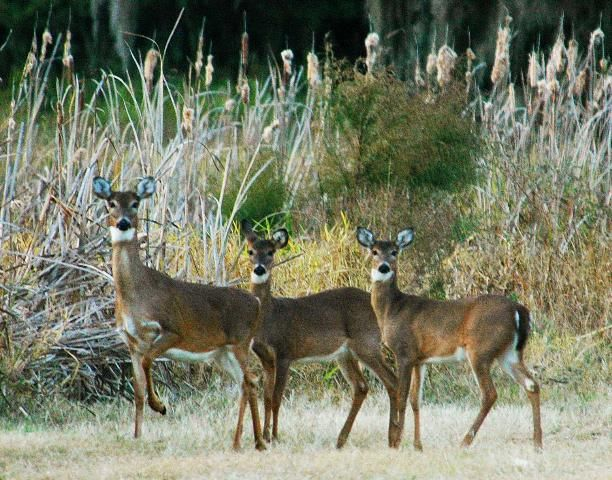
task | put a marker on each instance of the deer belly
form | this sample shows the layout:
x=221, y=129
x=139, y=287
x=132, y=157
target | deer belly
x=457, y=356
x=326, y=358
x=191, y=357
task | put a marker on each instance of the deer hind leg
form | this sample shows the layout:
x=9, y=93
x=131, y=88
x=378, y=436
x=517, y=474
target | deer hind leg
x=352, y=373
x=280, y=381
x=519, y=372
x=139, y=392
x=377, y=364
x=154, y=402
x=416, y=386
x=267, y=358
x=488, y=395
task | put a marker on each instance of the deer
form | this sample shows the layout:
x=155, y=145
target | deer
x=422, y=331
x=333, y=325
x=158, y=316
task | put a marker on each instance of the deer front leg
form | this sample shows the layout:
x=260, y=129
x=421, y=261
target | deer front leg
x=404, y=378
x=415, y=394
x=139, y=383
x=163, y=342
x=282, y=373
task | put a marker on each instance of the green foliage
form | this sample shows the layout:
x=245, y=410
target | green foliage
x=379, y=134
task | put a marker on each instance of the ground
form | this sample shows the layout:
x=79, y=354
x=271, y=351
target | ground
x=194, y=441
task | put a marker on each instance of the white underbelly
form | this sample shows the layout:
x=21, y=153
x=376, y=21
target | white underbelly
x=343, y=350
x=458, y=356
x=187, y=356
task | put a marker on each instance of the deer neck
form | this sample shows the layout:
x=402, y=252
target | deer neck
x=127, y=268
x=262, y=290
x=384, y=295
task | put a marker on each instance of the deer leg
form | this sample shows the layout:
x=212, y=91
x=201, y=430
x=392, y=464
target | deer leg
x=375, y=362
x=415, y=396
x=352, y=373
x=139, y=392
x=163, y=342
x=282, y=373
x=249, y=390
x=405, y=371
x=522, y=376
x=154, y=402
x=267, y=358
x=482, y=372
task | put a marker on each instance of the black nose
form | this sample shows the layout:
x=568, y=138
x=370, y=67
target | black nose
x=384, y=268
x=259, y=270
x=123, y=224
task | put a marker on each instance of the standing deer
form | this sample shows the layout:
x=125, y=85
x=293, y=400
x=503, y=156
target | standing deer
x=336, y=324
x=421, y=331
x=159, y=316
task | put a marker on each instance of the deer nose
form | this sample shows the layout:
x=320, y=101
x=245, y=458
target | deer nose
x=123, y=224
x=259, y=270
x=384, y=268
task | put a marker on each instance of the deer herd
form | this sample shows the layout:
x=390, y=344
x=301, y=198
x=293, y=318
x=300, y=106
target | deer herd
x=160, y=317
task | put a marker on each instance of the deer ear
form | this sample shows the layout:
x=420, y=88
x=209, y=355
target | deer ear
x=281, y=238
x=102, y=188
x=365, y=237
x=404, y=238
x=246, y=227
x=146, y=187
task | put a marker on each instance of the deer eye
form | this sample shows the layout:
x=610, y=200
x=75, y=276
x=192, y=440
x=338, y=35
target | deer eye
x=134, y=204
x=374, y=252
x=270, y=253
x=250, y=252
x=112, y=204
x=394, y=253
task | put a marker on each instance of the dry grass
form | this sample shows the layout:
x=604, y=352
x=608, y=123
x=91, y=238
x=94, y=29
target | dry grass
x=193, y=441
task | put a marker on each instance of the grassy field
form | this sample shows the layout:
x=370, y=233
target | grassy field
x=194, y=441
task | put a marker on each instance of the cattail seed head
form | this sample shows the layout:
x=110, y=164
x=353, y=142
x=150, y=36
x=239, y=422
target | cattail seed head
x=430, y=67
x=11, y=122
x=199, y=63
x=67, y=58
x=372, y=43
x=572, y=56
x=597, y=36
x=187, y=123
x=446, y=64
x=244, y=52
x=245, y=92
x=581, y=82
x=29, y=64
x=209, y=71
x=556, y=55
x=149, y=67
x=551, y=71
x=287, y=57
x=502, y=52
x=419, y=81
x=471, y=56
x=312, y=71
x=533, y=72
x=268, y=132
x=47, y=39
x=229, y=105
x=542, y=88
x=511, y=103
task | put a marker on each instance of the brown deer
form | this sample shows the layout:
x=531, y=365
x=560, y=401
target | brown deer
x=159, y=316
x=336, y=324
x=420, y=331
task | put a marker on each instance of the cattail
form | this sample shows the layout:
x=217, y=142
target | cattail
x=244, y=52
x=572, y=56
x=229, y=105
x=287, y=56
x=446, y=64
x=488, y=113
x=372, y=42
x=199, y=63
x=209, y=71
x=430, y=67
x=542, y=88
x=551, y=71
x=312, y=71
x=533, y=72
x=471, y=56
x=596, y=37
x=581, y=82
x=47, y=39
x=268, y=132
x=603, y=65
x=149, y=67
x=11, y=122
x=187, y=123
x=419, y=81
x=556, y=55
x=502, y=52
x=67, y=58
x=511, y=103
x=553, y=86
x=30, y=64
x=245, y=92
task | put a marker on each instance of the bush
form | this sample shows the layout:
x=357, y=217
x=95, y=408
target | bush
x=379, y=134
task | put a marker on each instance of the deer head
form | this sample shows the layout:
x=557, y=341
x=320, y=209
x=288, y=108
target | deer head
x=384, y=253
x=261, y=250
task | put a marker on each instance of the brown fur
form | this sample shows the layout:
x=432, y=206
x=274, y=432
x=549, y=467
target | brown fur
x=295, y=329
x=418, y=329
x=156, y=313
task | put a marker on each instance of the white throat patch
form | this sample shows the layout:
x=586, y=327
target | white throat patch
x=122, y=235
x=381, y=277
x=259, y=278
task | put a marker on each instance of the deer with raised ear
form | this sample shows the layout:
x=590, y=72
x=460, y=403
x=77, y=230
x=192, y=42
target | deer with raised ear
x=419, y=331
x=158, y=316
x=336, y=324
